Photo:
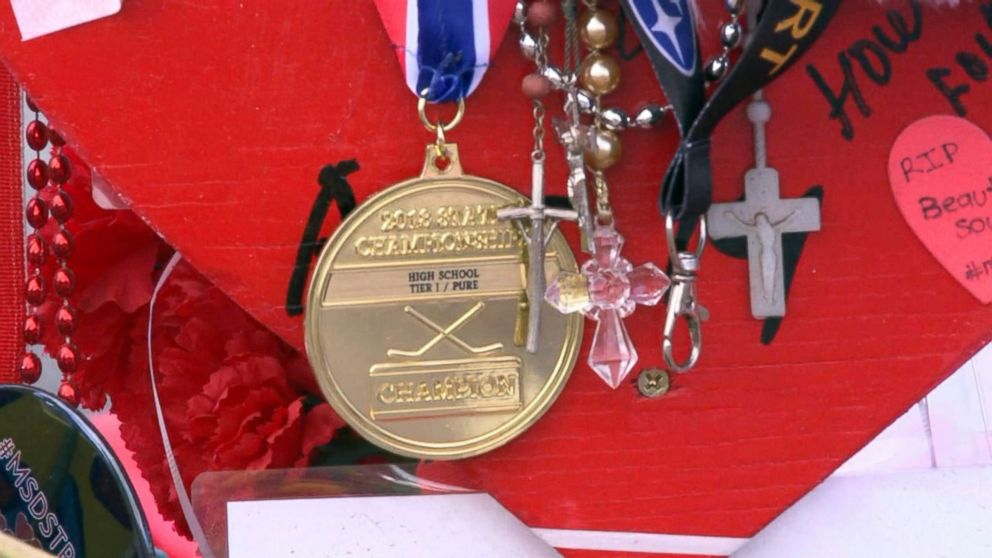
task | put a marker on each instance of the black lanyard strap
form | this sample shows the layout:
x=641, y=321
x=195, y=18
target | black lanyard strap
x=786, y=29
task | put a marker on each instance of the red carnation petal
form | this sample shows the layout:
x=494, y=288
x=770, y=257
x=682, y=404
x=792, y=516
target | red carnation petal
x=319, y=427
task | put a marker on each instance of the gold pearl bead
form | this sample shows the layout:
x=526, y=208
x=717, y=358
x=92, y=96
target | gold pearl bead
x=599, y=74
x=605, y=151
x=598, y=28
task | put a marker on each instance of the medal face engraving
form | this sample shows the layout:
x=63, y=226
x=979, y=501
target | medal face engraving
x=414, y=314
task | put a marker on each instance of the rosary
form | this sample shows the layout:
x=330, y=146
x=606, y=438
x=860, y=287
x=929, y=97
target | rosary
x=608, y=288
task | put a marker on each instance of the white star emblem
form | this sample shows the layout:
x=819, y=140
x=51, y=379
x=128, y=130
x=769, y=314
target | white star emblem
x=666, y=24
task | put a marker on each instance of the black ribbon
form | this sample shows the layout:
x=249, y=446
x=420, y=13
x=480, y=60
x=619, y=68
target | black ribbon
x=786, y=29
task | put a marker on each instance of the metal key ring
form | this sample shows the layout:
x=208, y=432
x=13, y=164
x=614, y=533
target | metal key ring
x=443, y=126
x=682, y=303
x=670, y=234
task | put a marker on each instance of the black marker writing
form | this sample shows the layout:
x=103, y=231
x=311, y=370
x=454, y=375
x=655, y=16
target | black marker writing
x=872, y=57
x=975, y=271
x=930, y=160
x=333, y=186
x=973, y=65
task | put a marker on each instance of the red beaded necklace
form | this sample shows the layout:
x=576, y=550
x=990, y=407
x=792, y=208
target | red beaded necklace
x=48, y=180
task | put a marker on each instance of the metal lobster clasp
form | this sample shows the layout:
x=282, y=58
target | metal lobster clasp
x=682, y=300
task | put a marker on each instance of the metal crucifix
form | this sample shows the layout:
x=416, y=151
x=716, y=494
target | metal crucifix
x=536, y=235
x=763, y=217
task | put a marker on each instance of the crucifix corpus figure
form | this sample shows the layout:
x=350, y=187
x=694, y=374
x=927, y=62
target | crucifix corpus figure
x=763, y=217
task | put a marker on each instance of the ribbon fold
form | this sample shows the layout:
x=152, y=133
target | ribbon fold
x=785, y=30
x=445, y=46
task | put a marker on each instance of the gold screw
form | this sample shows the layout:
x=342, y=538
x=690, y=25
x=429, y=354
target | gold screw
x=653, y=382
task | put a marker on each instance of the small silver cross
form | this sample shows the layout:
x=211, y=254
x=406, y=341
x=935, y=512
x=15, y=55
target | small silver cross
x=573, y=137
x=763, y=217
x=537, y=237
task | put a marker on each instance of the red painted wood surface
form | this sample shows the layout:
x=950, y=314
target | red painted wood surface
x=11, y=230
x=213, y=119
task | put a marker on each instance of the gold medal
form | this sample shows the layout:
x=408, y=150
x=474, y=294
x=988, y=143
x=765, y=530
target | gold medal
x=417, y=316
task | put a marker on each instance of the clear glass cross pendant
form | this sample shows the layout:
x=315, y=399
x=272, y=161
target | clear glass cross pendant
x=607, y=290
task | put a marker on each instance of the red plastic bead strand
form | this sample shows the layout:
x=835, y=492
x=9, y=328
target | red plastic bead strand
x=36, y=215
x=63, y=280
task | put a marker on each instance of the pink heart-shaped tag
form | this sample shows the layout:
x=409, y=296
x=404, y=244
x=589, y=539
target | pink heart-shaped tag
x=940, y=170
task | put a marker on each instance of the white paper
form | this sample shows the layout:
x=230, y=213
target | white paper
x=435, y=526
x=41, y=17
x=928, y=513
x=951, y=427
x=647, y=544
x=958, y=419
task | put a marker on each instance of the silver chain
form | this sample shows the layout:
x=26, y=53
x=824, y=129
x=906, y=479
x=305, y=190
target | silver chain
x=572, y=50
x=731, y=35
x=538, y=153
x=541, y=59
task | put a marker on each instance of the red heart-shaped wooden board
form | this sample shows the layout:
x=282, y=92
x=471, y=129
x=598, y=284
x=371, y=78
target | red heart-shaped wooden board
x=939, y=172
x=214, y=118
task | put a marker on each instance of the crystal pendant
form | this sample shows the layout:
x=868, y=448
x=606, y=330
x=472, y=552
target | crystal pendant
x=607, y=291
x=612, y=355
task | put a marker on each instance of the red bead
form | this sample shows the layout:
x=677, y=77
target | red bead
x=37, y=135
x=37, y=174
x=33, y=329
x=61, y=206
x=69, y=393
x=55, y=138
x=67, y=357
x=34, y=291
x=65, y=319
x=62, y=244
x=30, y=368
x=37, y=249
x=60, y=168
x=64, y=282
x=36, y=212
x=535, y=86
x=542, y=14
x=31, y=106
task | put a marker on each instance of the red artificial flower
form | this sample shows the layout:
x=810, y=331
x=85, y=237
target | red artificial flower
x=251, y=415
x=233, y=394
x=115, y=259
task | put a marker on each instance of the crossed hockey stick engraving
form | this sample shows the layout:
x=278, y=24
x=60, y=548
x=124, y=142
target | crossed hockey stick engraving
x=446, y=333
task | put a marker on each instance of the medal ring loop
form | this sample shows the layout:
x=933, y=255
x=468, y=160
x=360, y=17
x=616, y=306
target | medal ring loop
x=440, y=125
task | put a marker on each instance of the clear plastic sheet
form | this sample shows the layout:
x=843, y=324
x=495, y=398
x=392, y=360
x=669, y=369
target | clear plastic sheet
x=211, y=492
